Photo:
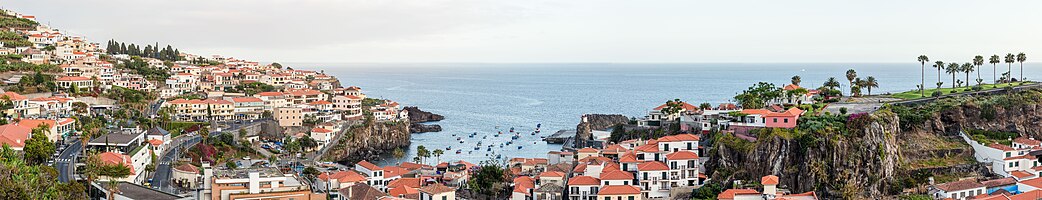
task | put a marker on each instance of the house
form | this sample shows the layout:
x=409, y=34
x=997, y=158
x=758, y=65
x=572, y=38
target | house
x=56, y=129
x=289, y=116
x=620, y=192
x=349, y=105
x=69, y=82
x=332, y=182
x=14, y=136
x=654, y=180
x=963, y=189
x=761, y=118
x=583, y=187
x=254, y=183
x=795, y=95
x=769, y=192
x=437, y=191
x=187, y=173
x=247, y=108
x=656, y=117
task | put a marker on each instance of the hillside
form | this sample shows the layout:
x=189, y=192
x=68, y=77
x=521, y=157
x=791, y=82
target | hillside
x=890, y=152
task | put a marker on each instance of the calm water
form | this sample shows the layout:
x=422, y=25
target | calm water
x=481, y=97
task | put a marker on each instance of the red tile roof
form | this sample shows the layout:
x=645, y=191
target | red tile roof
x=679, y=138
x=729, y=194
x=72, y=78
x=246, y=99
x=1027, y=141
x=1001, y=147
x=652, y=166
x=963, y=185
x=684, y=105
x=769, y=180
x=551, y=174
x=112, y=158
x=14, y=135
x=617, y=175
x=367, y=165
x=682, y=155
x=583, y=180
x=321, y=130
x=187, y=168
x=619, y=190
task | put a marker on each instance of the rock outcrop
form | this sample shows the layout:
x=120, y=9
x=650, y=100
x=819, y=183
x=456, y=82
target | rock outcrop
x=419, y=116
x=860, y=165
x=369, y=141
x=590, y=122
x=423, y=128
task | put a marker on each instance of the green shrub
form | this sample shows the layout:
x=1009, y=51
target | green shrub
x=937, y=94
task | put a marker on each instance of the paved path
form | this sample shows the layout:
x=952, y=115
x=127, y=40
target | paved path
x=161, y=179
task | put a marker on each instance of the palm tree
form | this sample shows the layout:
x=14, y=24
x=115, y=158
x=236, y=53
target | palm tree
x=851, y=75
x=939, y=65
x=967, y=68
x=977, y=62
x=994, y=60
x=832, y=83
x=437, y=154
x=1010, y=58
x=870, y=83
x=922, y=78
x=953, y=68
x=796, y=80
x=856, y=86
x=1021, y=57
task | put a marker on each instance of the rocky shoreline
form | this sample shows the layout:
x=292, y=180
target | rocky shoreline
x=417, y=117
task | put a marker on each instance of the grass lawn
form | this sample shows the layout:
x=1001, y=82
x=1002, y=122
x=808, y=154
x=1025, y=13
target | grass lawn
x=914, y=94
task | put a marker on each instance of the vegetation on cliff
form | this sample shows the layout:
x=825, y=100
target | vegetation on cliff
x=367, y=141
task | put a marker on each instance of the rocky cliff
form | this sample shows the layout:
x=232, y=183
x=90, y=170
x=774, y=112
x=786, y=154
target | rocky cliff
x=417, y=117
x=368, y=141
x=860, y=164
x=590, y=122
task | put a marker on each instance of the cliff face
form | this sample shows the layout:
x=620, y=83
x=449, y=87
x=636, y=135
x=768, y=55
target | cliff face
x=367, y=142
x=592, y=122
x=1019, y=118
x=859, y=165
x=417, y=116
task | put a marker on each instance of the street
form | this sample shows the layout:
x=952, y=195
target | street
x=66, y=162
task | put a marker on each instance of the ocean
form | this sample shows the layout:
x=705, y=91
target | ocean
x=487, y=98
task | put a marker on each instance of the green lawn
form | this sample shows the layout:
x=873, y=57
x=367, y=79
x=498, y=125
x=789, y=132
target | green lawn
x=914, y=94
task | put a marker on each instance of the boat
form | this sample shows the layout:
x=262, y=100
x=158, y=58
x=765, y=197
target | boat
x=499, y=156
x=489, y=149
x=458, y=151
x=484, y=137
x=519, y=147
x=448, y=148
x=461, y=141
x=459, y=138
x=511, y=129
x=477, y=148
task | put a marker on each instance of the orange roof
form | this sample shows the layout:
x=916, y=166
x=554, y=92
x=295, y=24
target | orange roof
x=652, y=166
x=619, y=190
x=320, y=102
x=321, y=130
x=769, y=180
x=682, y=155
x=1032, y=195
x=269, y=94
x=1020, y=174
x=679, y=138
x=413, y=166
x=112, y=158
x=617, y=175
x=343, y=176
x=14, y=135
x=648, y=148
x=246, y=99
x=1027, y=141
x=155, y=142
x=407, y=182
x=629, y=157
x=583, y=180
x=392, y=171
x=14, y=96
x=581, y=167
x=367, y=165
x=188, y=168
x=1001, y=147
x=551, y=174
x=72, y=78
x=33, y=123
x=402, y=191
x=684, y=105
x=614, y=149
x=791, y=87
x=730, y=193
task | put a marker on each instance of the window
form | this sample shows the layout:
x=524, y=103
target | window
x=1008, y=154
x=786, y=120
x=629, y=198
x=607, y=198
x=444, y=197
x=775, y=120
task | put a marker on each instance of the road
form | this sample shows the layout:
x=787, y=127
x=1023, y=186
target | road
x=161, y=178
x=66, y=162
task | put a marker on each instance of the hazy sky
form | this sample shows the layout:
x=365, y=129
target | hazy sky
x=559, y=30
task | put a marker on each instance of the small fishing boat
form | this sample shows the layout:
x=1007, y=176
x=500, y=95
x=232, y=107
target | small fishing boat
x=499, y=156
x=461, y=141
x=477, y=148
x=511, y=129
x=448, y=148
x=458, y=151
x=519, y=147
x=489, y=149
x=459, y=138
x=484, y=137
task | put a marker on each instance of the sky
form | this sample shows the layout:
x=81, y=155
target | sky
x=548, y=31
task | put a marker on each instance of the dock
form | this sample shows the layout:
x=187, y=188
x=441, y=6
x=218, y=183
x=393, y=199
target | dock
x=559, y=137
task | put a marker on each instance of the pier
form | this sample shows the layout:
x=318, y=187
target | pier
x=559, y=137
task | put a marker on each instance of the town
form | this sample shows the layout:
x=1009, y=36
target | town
x=122, y=121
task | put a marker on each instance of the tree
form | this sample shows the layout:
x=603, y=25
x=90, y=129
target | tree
x=204, y=131
x=242, y=133
x=940, y=66
x=953, y=69
x=673, y=107
x=977, y=62
x=851, y=75
x=423, y=153
x=398, y=153
x=855, y=87
x=994, y=60
x=488, y=179
x=832, y=83
x=437, y=154
x=276, y=65
x=1010, y=58
x=967, y=68
x=870, y=83
x=758, y=95
x=796, y=80
x=922, y=78
x=38, y=148
x=705, y=106
x=1021, y=57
